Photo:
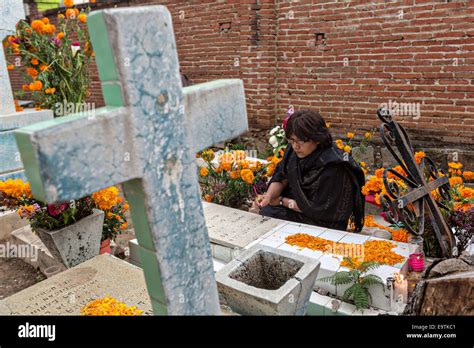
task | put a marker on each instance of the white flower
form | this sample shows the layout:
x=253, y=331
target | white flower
x=273, y=141
x=274, y=130
x=74, y=49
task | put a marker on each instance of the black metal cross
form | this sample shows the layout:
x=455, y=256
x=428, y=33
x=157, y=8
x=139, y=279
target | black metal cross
x=421, y=179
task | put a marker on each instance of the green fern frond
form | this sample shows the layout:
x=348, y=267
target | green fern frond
x=339, y=278
x=361, y=297
x=348, y=293
x=371, y=279
x=368, y=265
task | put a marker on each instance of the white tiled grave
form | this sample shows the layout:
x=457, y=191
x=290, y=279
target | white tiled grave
x=330, y=263
x=231, y=230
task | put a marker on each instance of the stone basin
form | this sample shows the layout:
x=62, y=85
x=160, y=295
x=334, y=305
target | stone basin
x=267, y=281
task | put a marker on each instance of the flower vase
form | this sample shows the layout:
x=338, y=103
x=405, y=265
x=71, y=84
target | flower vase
x=75, y=243
x=105, y=247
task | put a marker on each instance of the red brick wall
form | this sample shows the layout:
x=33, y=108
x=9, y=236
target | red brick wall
x=342, y=58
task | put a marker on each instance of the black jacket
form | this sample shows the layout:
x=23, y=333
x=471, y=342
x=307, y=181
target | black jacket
x=326, y=185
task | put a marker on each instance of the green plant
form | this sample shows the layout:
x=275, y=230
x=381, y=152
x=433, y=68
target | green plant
x=358, y=292
x=56, y=59
x=233, y=180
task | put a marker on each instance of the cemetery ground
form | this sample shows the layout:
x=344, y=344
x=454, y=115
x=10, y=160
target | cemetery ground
x=125, y=213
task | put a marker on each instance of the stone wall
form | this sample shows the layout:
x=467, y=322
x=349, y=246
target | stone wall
x=342, y=58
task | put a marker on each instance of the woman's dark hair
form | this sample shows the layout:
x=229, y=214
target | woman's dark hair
x=309, y=125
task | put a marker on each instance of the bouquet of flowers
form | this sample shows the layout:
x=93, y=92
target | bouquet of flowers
x=57, y=65
x=234, y=179
x=16, y=194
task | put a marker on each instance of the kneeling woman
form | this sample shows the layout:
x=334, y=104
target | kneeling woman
x=316, y=183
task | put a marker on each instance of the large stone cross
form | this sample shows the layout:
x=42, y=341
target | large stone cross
x=11, y=11
x=146, y=137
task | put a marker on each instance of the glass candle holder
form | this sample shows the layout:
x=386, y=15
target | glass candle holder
x=416, y=260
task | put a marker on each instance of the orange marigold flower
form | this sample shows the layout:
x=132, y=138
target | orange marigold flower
x=82, y=18
x=70, y=13
x=124, y=226
x=455, y=180
x=49, y=29
x=43, y=67
x=368, y=135
x=32, y=72
x=468, y=175
x=462, y=206
x=10, y=67
x=107, y=198
x=25, y=87
x=69, y=3
x=347, y=149
x=109, y=306
x=234, y=174
x=208, y=198
x=226, y=166
x=38, y=26
x=350, y=135
x=60, y=35
x=419, y=155
x=247, y=176
x=50, y=90
x=34, y=61
x=270, y=169
x=466, y=192
x=455, y=165
x=36, y=85
x=204, y=172
x=379, y=173
x=45, y=20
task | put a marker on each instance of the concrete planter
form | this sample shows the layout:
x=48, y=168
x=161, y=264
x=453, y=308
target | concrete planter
x=268, y=281
x=75, y=243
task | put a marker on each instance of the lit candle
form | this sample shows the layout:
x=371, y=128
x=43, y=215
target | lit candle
x=417, y=262
x=401, y=288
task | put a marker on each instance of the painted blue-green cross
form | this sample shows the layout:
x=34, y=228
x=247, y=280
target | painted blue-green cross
x=146, y=138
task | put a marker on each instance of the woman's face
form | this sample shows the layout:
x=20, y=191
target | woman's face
x=302, y=148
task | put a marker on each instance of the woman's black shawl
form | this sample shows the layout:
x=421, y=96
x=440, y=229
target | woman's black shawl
x=326, y=185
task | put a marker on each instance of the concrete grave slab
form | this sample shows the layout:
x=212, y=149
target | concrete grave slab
x=235, y=228
x=67, y=292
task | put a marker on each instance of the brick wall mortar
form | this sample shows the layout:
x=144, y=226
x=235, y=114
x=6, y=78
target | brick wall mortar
x=369, y=55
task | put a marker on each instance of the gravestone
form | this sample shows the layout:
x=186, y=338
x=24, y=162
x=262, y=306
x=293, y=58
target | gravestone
x=67, y=292
x=146, y=137
x=11, y=11
x=235, y=228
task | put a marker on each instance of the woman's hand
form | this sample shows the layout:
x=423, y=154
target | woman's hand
x=267, y=200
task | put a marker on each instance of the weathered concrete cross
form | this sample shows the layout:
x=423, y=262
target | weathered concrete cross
x=11, y=11
x=144, y=139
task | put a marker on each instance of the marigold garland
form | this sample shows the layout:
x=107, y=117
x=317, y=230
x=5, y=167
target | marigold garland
x=109, y=306
x=374, y=250
x=398, y=235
